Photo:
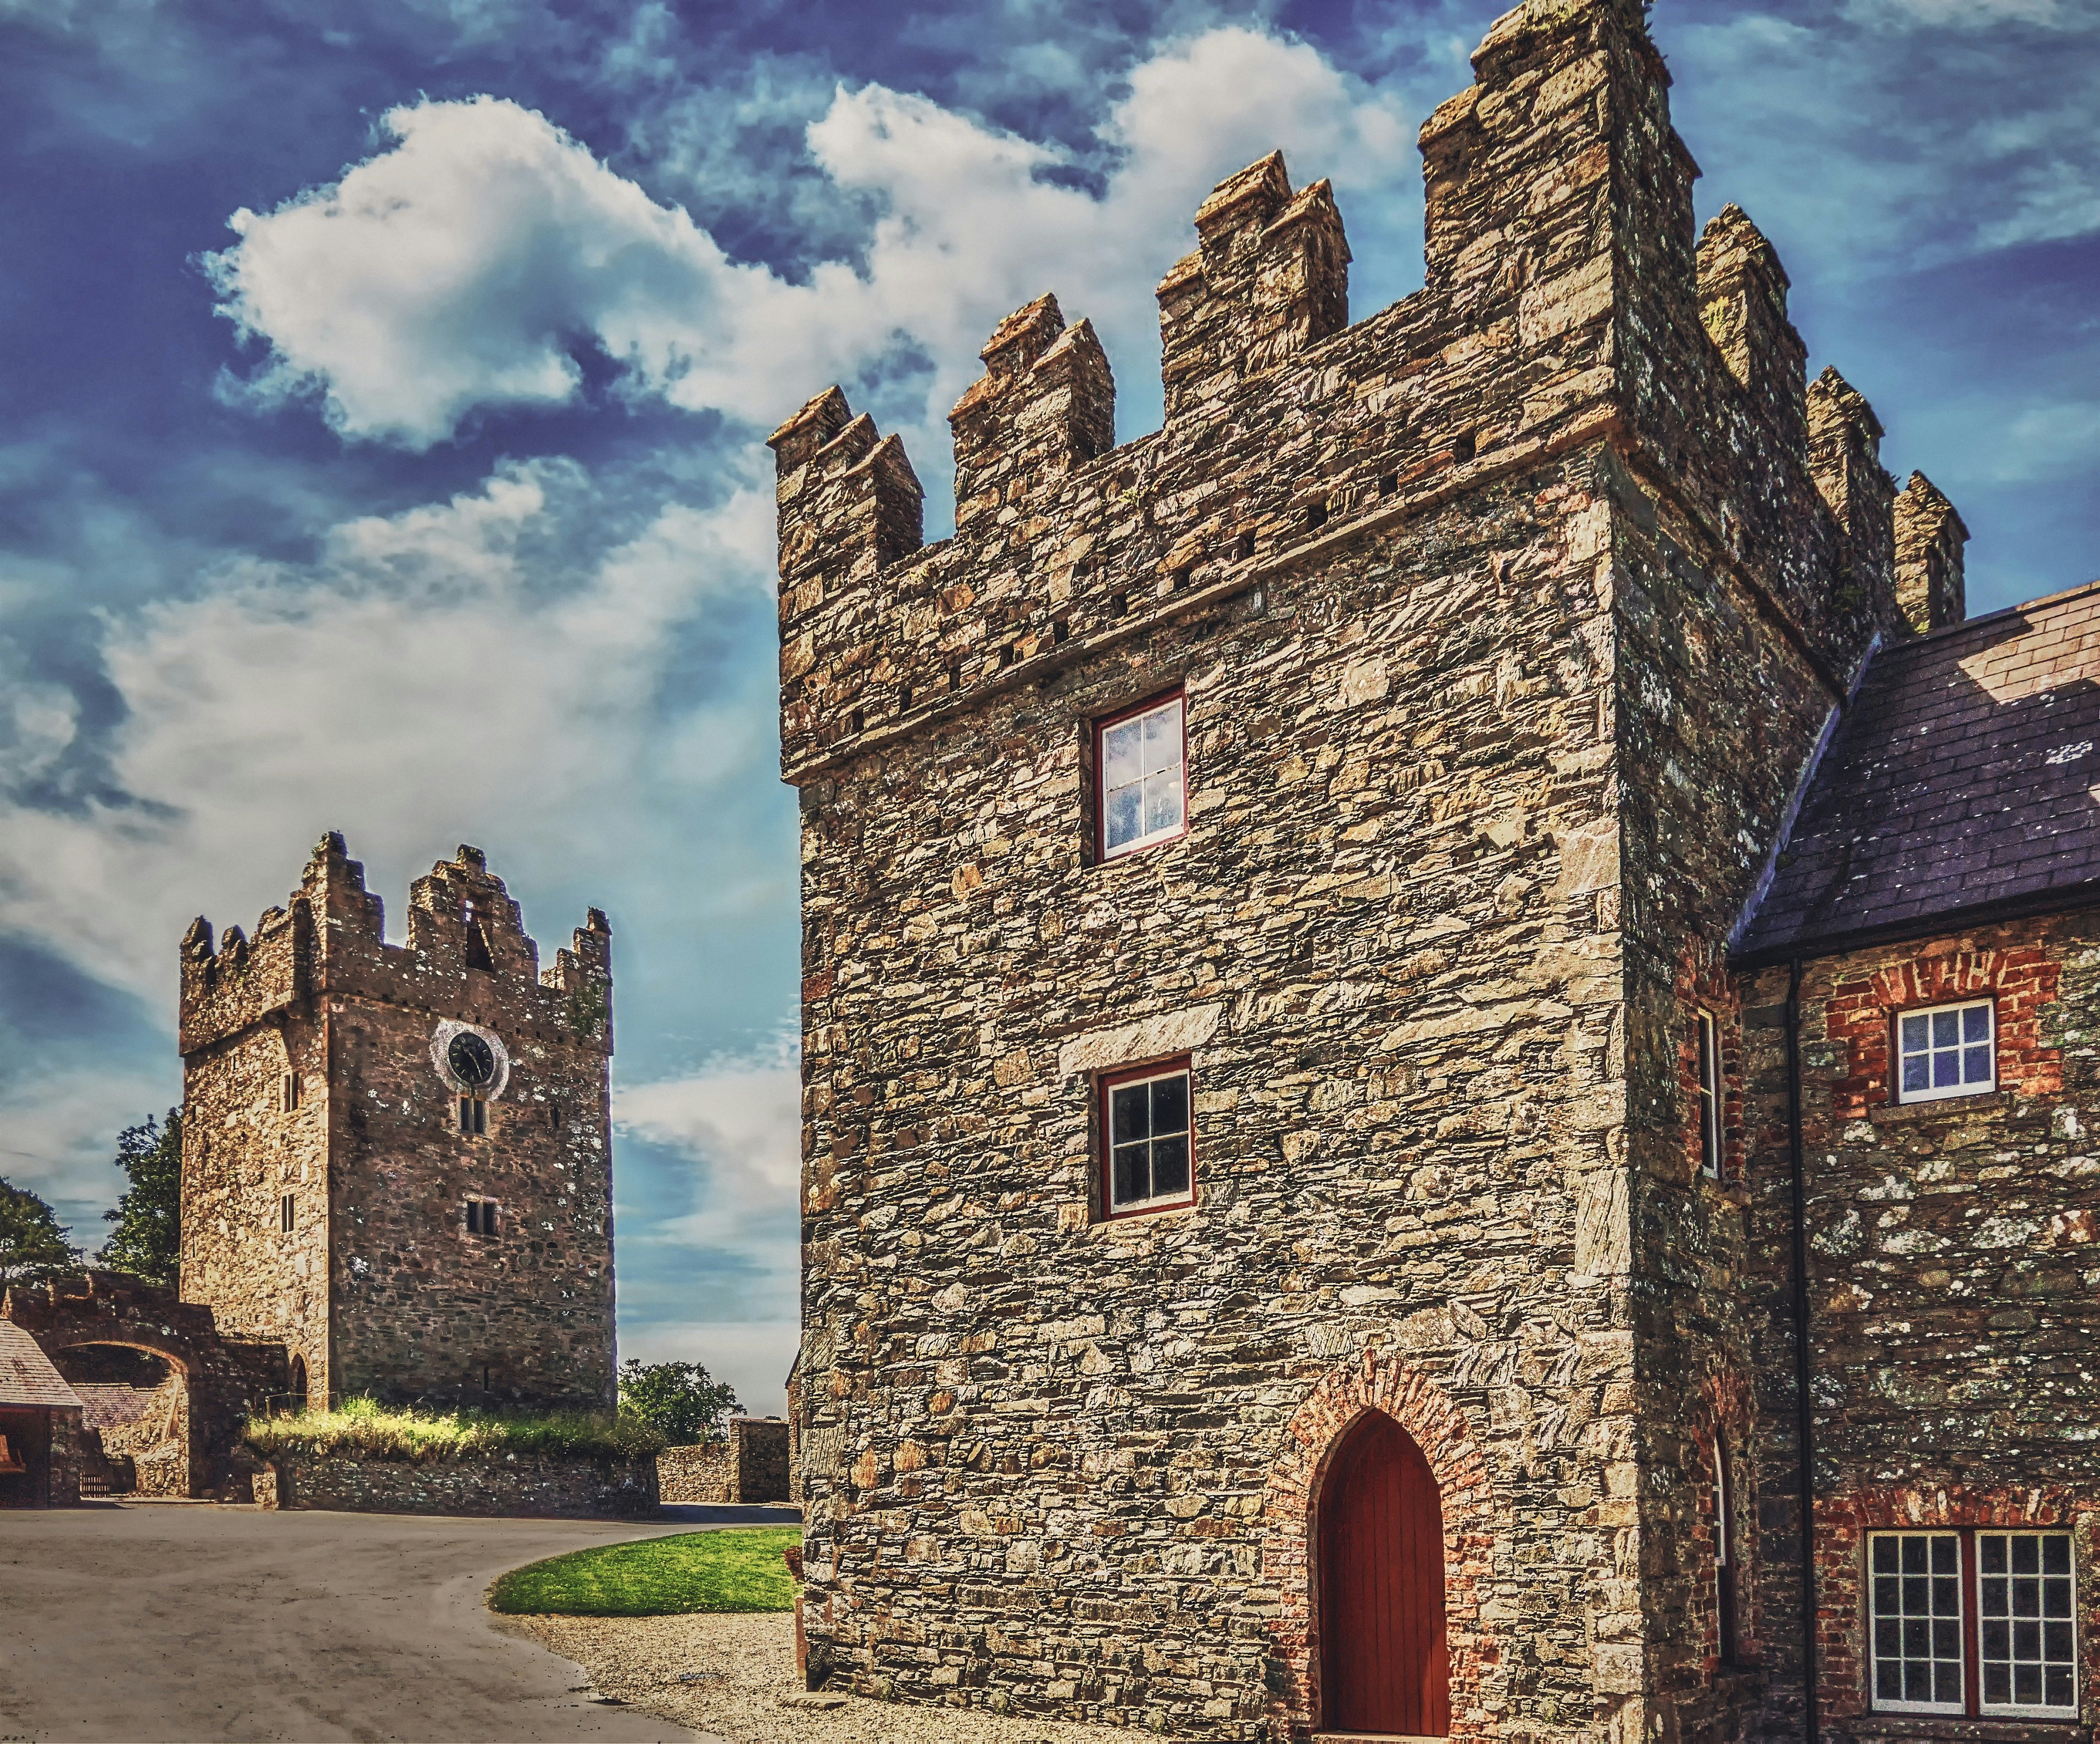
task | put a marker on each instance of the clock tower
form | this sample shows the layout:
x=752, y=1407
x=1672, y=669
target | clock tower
x=397, y=1158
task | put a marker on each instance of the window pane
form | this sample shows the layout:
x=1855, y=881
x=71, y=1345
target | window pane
x=1127, y=1109
x=1170, y=1167
x=1976, y=1024
x=1916, y=1618
x=1163, y=739
x=1170, y=1104
x=1124, y=813
x=1162, y=802
x=1122, y=752
x=1132, y=1182
x=1976, y=1066
x=1946, y=1028
x=2026, y=1662
x=1917, y=1072
x=1946, y=1069
x=1913, y=1035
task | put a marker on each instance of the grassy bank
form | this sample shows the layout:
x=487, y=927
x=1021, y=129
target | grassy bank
x=735, y=1570
x=362, y=1428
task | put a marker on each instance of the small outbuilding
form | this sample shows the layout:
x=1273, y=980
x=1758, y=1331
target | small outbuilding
x=41, y=1431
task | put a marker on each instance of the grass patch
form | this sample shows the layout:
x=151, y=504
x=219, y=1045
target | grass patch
x=364, y=1430
x=738, y=1569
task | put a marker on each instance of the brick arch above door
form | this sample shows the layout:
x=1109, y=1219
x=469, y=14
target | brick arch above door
x=1367, y=1382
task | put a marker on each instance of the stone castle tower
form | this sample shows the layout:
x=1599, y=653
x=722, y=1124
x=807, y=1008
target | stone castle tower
x=397, y=1158
x=1265, y=887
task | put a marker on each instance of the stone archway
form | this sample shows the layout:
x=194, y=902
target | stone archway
x=224, y=1378
x=1290, y=1528
x=137, y=1404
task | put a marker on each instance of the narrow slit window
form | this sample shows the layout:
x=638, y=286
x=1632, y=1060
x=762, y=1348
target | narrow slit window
x=288, y=1093
x=472, y=1116
x=1709, y=1095
x=288, y=1214
x=481, y=1216
x=1141, y=756
x=1947, y=1050
x=1724, y=1557
x=1146, y=1133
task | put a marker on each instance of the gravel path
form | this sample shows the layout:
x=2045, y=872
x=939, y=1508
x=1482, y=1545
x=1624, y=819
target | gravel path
x=727, y=1676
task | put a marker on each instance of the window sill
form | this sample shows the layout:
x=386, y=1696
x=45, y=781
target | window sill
x=1900, y=1113
x=1959, y=1726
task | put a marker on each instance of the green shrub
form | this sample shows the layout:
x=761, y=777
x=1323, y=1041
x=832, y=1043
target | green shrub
x=738, y=1569
x=364, y=1429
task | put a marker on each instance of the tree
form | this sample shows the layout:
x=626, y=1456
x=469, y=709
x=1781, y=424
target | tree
x=680, y=1401
x=148, y=1240
x=33, y=1241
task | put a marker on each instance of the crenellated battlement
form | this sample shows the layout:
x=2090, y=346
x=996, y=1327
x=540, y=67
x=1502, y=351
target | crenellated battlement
x=1567, y=302
x=467, y=953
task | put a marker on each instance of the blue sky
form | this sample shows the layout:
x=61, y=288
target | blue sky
x=383, y=385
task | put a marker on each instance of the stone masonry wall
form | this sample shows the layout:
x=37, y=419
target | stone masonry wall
x=380, y=1286
x=1507, y=622
x=1952, y=1264
x=513, y=1488
x=748, y=1464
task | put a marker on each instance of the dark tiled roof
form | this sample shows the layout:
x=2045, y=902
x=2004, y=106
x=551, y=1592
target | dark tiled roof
x=26, y=1374
x=1964, y=774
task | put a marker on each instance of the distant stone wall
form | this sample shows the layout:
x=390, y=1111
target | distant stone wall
x=534, y=1489
x=749, y=1465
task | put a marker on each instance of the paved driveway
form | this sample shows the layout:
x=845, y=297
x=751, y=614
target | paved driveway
x=179, y=1624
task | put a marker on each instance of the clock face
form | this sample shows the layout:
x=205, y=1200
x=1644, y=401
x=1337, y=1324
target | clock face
x=472, y=1063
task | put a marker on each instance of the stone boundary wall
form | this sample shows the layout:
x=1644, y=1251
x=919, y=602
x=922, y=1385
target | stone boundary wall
x=531, y=1488
x=750, y=1465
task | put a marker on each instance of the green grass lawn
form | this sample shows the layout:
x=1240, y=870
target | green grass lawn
x=739, y=1569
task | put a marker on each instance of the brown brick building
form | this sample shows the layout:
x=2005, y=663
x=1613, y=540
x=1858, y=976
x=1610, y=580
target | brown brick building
x=397, y=1158
x=1318, y=1156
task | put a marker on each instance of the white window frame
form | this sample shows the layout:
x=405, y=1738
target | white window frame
x=1946, y=1091
x=1707, y=1034
x=1875, y=1700
x=2014, y=1710
x=1178, y=702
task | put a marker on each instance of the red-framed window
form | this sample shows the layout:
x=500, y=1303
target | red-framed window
x=1148, y=1138
x=1142, y=776
x=1979, y=1621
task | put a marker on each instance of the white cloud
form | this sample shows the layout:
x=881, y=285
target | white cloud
x=753, y=1356
x=494, y=660
x=740, y=1119
x=58, y=1137
x=464, y=265
x=1972, y=15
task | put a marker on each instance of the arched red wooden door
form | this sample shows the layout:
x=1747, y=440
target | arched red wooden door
x=1384, y=1664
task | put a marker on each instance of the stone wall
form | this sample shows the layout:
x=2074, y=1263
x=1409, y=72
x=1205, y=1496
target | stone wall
x=521, y=1488
x=748, y=1464
x=1506, y=622
x=380, y=1286
x=1952, y=1261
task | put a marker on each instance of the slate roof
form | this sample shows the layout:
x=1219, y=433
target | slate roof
x=26, y=1374
x=1964, y=776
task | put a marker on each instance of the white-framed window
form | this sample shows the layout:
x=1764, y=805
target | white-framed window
x=1147, y=1161
x=1914, y=1599
x=1709, y=1040
x=1947, y=1050
x=2011, y=1593
x=2027, y=1629
x=1141, y=756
